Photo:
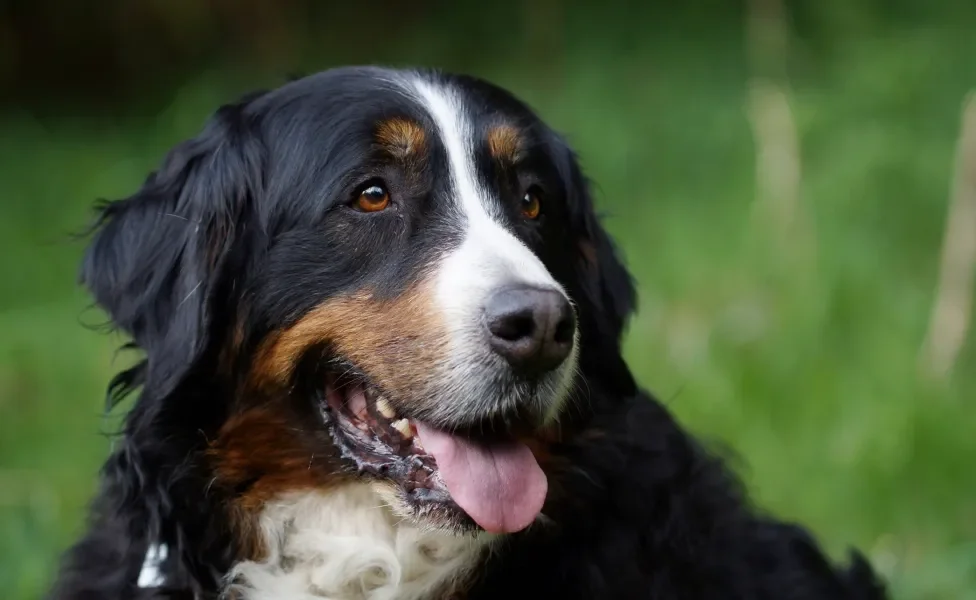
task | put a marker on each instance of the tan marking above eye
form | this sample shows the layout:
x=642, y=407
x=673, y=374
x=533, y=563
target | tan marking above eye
x=402, y=138
x=373, y=198
x=505, y=143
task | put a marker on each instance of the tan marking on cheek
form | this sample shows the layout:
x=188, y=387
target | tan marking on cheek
x=505, y=143
x=266, y=453
x=402, y=138
x=397, y=342
x=261, y=454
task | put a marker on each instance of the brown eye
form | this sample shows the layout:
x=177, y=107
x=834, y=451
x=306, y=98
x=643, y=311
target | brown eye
x=531, y=204
x=372, y=199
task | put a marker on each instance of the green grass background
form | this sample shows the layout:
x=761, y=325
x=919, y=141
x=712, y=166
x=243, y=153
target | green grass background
x=799, y=353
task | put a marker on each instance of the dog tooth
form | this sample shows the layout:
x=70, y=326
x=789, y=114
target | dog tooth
x=403, y=426
x=384, y=408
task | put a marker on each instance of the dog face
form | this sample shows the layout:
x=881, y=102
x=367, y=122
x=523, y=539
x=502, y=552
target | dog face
x=365, y=275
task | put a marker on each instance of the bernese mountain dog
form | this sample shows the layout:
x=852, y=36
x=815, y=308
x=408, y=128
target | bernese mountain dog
x=381, y=329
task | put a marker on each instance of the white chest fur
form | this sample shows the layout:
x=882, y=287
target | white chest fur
x=346, y=545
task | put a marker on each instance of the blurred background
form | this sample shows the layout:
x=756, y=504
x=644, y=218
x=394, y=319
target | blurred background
x=793, y=185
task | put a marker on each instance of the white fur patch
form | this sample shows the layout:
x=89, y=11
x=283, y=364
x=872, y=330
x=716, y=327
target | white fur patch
x=490, y=255
x=150, y=576
x=489, y=258
x=347, y=545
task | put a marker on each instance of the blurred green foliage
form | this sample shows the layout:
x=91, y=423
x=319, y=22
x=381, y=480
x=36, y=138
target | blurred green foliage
x=794, y=346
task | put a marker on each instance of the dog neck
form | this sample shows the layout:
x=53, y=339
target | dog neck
x=347, y=545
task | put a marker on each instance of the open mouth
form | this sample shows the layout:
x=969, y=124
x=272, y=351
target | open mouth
x=457, y=478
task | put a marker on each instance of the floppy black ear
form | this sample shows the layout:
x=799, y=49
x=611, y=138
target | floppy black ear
x=154, y=261
x=604, y=287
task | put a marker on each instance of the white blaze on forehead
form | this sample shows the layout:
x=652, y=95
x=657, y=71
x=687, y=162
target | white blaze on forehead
x=490, y=256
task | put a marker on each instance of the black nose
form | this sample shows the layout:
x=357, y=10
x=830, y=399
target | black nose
x=532, y=328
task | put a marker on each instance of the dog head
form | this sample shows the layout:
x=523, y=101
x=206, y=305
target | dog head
x=364, y=275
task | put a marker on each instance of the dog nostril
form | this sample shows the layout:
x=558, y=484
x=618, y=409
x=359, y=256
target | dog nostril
x=513, y=327
x=531, y=328
x=566, y=327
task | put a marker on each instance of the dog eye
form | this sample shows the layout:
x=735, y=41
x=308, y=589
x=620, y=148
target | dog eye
x=373, y=198
x=531, y=204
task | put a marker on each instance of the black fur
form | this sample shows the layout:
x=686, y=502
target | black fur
x=653, y=516
x=238, y=225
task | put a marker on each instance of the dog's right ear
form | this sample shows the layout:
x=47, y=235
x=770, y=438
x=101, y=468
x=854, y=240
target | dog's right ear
x=155, y=257
x=601, y=285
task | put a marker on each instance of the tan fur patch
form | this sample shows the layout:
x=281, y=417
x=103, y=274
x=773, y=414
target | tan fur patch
x=402, y=138
x=505, y=143
x=262, y=449
x=259, y=455
x=395, y=341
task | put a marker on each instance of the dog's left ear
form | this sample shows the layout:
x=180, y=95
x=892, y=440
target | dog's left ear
x=153, y=261
x=604, y=288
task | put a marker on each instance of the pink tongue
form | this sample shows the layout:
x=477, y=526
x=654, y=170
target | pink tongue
x=499, y=485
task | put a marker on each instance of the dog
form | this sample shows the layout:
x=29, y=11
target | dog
x=380, y=322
